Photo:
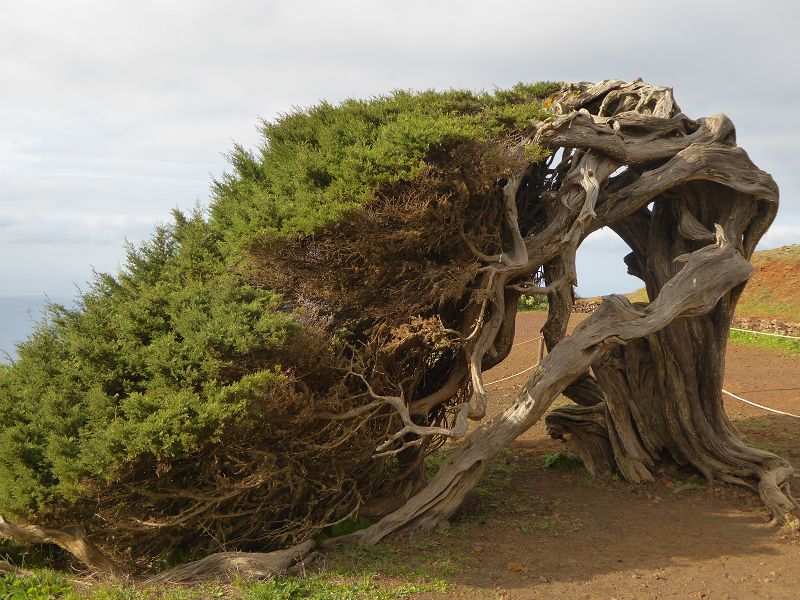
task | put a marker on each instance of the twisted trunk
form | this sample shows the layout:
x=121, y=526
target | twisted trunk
x=658, y=368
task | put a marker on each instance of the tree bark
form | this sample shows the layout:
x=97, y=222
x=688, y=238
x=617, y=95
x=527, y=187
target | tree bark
x=709, y=273
x=658, y=367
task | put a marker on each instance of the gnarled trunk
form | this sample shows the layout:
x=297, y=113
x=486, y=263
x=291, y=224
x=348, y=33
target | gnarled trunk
x=692, y=207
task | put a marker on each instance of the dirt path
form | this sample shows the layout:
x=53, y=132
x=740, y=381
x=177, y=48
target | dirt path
x=533, y=532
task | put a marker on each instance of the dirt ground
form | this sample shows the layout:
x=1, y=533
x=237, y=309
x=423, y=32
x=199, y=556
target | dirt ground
x=535, y=532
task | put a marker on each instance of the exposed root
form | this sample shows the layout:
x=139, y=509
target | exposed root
x=72, y=539
x=252, y=564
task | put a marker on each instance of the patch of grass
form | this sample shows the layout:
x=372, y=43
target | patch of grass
x=766, y=341
x=123, y=591
x=639, y=295
x=425, y=542
x=395, y=562
x=561, y=460
x=322, y=587
x=763, y=303
x=48, y=585
x=530, y=303
x=44, y=586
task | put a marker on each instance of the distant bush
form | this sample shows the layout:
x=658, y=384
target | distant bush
x=533, y=303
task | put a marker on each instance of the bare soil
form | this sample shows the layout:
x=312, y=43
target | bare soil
x=535, y=532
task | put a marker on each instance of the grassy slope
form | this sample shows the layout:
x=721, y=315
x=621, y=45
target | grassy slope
x=774, y=290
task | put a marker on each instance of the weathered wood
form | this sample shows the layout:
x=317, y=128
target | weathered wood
x=72, y=539
x=227, y=564
x=662, y=391
x=708, y=274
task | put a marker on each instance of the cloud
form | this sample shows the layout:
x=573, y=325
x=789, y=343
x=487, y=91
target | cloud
x=65, y=229
x=124, y=110
x=780, y=235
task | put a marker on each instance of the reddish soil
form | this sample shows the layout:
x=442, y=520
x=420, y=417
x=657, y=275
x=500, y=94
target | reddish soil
x=774, y=290
x=770, y=301
x=533, y=532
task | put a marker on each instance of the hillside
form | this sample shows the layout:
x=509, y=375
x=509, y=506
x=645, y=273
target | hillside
x=774, y=290
x=772, y=294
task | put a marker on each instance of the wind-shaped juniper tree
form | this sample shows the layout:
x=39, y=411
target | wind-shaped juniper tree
x=286, y=364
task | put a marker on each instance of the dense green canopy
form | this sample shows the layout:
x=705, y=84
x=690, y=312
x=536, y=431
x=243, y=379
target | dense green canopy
x=179, y=401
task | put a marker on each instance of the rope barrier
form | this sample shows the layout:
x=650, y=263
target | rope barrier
x=791, y=337
x=526, y=342
x=724, y=391
x=511, y=376
x=780, y=412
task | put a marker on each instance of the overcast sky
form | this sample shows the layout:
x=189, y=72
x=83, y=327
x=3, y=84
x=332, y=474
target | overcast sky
x=112, y=113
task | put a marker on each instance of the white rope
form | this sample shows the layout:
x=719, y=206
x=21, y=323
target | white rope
x=526, y=342
x=724, y=391
x=511, y=376
x=780, y=412
x=521, y=372
x=791, y=337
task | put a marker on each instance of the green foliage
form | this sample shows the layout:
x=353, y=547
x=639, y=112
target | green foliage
x=536, y=153
x=180, y=375
x=44, y=586
x=145, y=368
x=318, y=165
x=532, y=303
x=787, y=345
x=561, y=460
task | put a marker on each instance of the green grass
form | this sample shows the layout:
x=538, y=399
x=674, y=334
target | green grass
x=331, y=584
x=766, y=341
x=561, y=460
x=321, y=587
x=48, y=585
x=763, y=302
x=45, y=586
x=530, y=303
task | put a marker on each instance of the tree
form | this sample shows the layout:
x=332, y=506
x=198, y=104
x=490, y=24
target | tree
x=398, y=234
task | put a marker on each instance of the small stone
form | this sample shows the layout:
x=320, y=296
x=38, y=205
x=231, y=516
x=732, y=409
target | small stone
x=516, y=567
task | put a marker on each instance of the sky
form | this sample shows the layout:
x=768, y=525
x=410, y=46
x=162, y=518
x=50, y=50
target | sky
x=114, y=112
